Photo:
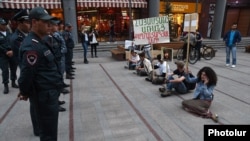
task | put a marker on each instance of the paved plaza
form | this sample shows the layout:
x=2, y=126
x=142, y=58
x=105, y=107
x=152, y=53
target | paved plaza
x=110, y=103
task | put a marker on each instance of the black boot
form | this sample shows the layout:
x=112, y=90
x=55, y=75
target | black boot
x=85, y=61
x=14, y=85
x=6, y=89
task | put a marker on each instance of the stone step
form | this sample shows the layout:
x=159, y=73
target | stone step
x=104, y=46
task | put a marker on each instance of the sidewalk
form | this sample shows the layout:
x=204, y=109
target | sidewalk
x=110, y=103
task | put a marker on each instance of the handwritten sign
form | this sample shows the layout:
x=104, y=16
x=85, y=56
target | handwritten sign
x=191, y=22
x=151, y=30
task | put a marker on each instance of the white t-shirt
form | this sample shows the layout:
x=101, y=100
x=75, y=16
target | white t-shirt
x=135, y=58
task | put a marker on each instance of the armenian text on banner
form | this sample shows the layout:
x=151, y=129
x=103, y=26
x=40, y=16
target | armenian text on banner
x=151, y=30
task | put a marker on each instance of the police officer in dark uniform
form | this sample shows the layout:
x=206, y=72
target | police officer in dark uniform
x=23, y=27
x=57, y=45
x=5, y=54
x=67, y=35
x=40, y=79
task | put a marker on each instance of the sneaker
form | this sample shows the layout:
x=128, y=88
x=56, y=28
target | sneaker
x=227, y=65
x=233, y=66
x=162, y=90
x=166, y=93
x=214, y=117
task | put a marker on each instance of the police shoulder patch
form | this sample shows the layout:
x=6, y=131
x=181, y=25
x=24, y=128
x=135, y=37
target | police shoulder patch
x=31, y=57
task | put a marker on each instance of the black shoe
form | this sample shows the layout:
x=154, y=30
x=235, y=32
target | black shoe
x=147, y=79
x=6, y=89
x=73, y=68
x=61, y=102
x=65, y=91
x=96, y=56
x=69, y=77
x=14, y=85
x=65, y=85
x=61, y=109
x=71, y=74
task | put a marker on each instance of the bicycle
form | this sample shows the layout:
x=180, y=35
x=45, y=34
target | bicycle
x=207, y=52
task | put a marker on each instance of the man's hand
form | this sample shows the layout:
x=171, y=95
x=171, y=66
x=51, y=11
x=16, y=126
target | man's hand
x=9, y=53
x=21, y=97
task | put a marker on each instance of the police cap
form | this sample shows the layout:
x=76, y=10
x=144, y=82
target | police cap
x=39, y=13
x=55, y=21
x=22, y=15
x=68, y=24
x=2, y=21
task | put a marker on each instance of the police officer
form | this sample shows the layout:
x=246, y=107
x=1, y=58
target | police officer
x=40, y=80
x=67, y=35
x=5, y=54
x=57, y=45
x=23, y=27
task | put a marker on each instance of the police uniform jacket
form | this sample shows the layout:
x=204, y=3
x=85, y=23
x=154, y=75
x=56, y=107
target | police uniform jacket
x=38, y=67
x=68, y=39
x=15, y=42
x=4, y=44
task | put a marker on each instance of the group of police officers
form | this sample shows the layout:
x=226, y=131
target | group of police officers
x=43, y=54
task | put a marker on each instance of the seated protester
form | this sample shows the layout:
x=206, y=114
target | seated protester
x=145, y=68
x=133, y=60
x=159, y=72
x=203, y=95
x=177, y=81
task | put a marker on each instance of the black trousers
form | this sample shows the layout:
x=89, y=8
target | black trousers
x=93, y=50
x=44, y=114
x=7, y=63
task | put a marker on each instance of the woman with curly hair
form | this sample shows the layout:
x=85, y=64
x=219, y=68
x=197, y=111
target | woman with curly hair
x=206, y=80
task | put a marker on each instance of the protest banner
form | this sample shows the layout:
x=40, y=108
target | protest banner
x=151, y=30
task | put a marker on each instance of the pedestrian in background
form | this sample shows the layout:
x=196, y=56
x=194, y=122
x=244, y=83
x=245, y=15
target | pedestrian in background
x=231, y=38
x=22, y=30
x=85, y=44
x=40, y=78
x=111, y=31
x=5, y=54
x=93, y=35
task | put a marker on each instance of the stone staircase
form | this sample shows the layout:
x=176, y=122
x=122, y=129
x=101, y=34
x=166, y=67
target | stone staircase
x=220, y=44
x=105, y=46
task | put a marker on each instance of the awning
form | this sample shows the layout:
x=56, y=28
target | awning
x=53, y=4
x=22, y=4
x=112, y=3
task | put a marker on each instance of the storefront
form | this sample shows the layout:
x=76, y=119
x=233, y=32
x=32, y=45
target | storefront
x=90, y=13
x=178, y=11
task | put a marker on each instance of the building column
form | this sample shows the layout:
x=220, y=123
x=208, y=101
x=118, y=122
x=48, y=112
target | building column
x=220, y=8
x=69, y=12
x=154, y=6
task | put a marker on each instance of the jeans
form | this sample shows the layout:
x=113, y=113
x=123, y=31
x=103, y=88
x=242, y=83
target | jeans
x=228, y=51
x=179, y=87
x=85, y=49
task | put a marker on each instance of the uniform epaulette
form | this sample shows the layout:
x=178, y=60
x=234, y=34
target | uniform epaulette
x=34, y=40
